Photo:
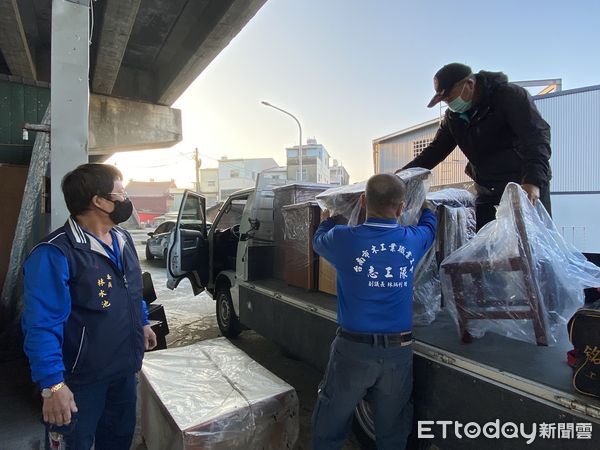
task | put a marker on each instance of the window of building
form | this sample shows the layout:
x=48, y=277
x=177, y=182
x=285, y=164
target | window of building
x=311, y=152
x=234, y=173
x=292, y=153
x=420, y=145
x=211, y=183
x=304, y=174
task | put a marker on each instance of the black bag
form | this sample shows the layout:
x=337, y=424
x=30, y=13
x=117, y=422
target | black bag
x=584, y=333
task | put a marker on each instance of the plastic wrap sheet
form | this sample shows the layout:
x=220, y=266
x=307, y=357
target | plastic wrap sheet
x=211, y=395
x=344, y=201
x=427, y=292
x=498, y=295
x=456, y=225
x=300, y=262
x=452, y=197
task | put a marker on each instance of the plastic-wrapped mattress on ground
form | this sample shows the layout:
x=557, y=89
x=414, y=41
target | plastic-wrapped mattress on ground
x=211, y=395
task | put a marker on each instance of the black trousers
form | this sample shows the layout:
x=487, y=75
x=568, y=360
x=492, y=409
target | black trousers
x=486, y=202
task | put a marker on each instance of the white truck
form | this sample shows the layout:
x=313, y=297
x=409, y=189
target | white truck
x=493, y=393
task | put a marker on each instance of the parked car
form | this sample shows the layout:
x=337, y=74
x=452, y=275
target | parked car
x=156, y=245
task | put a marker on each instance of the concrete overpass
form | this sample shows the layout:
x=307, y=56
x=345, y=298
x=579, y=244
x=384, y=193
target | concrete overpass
x=148, y=50
x=112, y=87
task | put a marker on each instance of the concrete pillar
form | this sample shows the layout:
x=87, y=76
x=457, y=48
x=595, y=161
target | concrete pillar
x=69, y=96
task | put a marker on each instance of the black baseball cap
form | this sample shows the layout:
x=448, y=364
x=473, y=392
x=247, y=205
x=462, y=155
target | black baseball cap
x=445, y=79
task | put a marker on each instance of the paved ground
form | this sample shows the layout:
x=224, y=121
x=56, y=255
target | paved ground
x=191, y=319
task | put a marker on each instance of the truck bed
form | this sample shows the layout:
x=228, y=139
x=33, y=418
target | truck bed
x=544, y=365
x=522, y=365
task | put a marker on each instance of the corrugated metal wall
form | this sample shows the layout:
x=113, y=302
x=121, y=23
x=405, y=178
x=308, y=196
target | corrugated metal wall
x=398, y=151
x=575, y=125
x=19, y=103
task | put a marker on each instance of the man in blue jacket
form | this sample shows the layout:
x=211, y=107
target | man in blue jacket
x=84, y=319
x=372, y=354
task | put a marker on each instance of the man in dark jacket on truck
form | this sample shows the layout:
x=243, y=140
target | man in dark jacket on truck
x=372, y=354
x=497, y=126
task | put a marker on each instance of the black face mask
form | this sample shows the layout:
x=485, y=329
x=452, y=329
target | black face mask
x=122, y=211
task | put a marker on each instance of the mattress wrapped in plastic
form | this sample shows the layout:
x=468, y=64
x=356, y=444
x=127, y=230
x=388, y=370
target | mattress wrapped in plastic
x=517, y=277
x=211, y=395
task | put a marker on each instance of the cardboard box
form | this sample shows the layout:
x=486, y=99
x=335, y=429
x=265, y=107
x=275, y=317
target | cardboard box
x=211, y=395
x=327, y=277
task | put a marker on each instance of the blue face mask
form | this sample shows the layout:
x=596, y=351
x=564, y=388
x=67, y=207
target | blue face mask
x=458, y=105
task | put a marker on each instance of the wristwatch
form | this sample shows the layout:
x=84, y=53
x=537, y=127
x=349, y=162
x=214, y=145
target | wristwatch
x=47, y=392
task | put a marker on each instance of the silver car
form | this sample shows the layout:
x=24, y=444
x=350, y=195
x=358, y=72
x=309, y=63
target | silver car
x=156, y=245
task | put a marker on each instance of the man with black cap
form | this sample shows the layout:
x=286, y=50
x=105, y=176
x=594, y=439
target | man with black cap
x=498, y=128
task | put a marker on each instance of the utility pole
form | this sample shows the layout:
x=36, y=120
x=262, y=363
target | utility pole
x=198, y=162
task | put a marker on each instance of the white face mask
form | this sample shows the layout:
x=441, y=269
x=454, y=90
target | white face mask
x=458, y=105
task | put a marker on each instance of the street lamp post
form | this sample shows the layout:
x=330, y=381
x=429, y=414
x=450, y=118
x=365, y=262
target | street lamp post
x=299, y=129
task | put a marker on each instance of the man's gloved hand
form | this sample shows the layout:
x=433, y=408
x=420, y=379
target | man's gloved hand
x=533, y=192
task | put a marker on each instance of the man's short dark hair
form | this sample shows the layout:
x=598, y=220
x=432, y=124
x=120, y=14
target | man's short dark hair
x=384, y=191
x=80, y=185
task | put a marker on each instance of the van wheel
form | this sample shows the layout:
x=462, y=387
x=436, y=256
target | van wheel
x=228, y=322
x=363, y=425
x=149, y=256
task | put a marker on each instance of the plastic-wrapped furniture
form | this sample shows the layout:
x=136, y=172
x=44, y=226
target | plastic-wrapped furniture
x=300, y=262
x=289, y=194
x=530, y=307
x=212, y=396
x=344, y=201
x=456, y=225
x=517, y=277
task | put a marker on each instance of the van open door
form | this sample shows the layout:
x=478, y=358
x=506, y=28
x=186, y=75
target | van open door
x=188, y=246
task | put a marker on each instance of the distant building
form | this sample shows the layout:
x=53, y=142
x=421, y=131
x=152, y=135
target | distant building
x=315, y=163
x=393, y=151
x=276, y=173
x=209, y=185
x=338, y=174
x=177, y=195
x=151, y=199
x=236, y=174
